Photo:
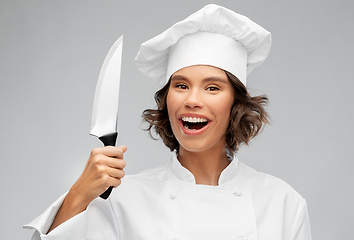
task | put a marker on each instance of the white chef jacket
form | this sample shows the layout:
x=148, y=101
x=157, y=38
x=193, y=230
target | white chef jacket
x=166, y=203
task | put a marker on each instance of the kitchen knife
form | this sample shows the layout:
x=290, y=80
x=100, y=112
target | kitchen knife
x=105, y=105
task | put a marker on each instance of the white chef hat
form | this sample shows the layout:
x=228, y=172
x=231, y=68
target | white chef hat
x=214, y=36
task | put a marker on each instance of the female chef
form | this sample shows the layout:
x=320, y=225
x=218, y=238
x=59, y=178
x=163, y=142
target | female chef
x=204, y=114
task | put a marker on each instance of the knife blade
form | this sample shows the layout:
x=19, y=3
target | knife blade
x=105, y=105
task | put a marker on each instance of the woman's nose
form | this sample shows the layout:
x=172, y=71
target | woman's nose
x=194, y=100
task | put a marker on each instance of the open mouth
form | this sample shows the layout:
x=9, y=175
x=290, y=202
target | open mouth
x=194, y=123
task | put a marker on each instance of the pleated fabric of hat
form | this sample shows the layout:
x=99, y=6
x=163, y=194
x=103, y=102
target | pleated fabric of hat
x=214, y=36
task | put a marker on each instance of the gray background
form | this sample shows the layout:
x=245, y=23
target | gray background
x=51, y=53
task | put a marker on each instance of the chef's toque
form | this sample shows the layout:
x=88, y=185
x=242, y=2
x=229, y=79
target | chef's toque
x=214, y=36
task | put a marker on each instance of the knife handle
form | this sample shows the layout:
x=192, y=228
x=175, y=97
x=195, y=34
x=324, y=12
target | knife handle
x=108, y=140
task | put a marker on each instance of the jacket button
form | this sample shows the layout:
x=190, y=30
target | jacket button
x=173, y=195
x=238, y=193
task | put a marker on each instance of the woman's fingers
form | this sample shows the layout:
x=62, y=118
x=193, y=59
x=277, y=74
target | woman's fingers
x=104, y=169
x=110, y=151
x=108, y=156
x=116, y=173
x=102, y=160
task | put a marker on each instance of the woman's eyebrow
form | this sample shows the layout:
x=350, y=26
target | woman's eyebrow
x=209, y=79
x=178, y=77
x=214, y=79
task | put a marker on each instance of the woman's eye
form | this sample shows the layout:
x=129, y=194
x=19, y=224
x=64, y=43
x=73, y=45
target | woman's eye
x=181, y=86
x=212, y=88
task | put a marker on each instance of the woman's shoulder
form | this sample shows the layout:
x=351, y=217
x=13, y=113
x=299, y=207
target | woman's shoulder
x=150, y=175
x=141, y=185
x=263, y=184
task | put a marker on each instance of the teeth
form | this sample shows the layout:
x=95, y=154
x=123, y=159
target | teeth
x=194, y=119
x=187, y=127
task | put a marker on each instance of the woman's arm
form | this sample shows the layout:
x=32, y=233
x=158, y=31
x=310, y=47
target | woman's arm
x=103, y=169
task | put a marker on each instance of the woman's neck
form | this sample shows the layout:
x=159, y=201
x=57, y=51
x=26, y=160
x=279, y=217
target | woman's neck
x=206, y=166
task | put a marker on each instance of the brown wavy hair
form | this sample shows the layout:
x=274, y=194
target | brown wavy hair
x=247, y=117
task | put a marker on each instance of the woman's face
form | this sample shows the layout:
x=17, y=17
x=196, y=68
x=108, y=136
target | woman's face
x=199, y=102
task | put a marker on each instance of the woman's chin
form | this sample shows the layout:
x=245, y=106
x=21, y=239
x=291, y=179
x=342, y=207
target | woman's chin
x=199, y=146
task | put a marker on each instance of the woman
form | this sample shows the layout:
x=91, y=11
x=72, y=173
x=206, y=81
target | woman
x=204, y=114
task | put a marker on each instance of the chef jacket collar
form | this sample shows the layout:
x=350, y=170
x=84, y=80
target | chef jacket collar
x=183, y=174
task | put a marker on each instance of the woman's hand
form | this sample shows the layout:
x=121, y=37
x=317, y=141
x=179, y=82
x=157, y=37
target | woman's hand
x=103, y=169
